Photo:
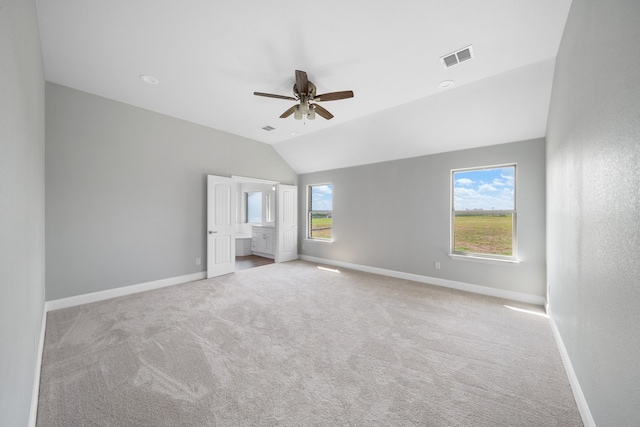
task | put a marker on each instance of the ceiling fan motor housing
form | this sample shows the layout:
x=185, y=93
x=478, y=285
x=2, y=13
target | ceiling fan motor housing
x=311, y=94
x=304, y=106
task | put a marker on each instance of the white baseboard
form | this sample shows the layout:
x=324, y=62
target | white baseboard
x=33, y=413
x=122, y=291
x=476, y=289
x=583, y=407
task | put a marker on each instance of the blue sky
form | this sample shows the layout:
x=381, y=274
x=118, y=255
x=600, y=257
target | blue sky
x=487, y=189
x=322, y=197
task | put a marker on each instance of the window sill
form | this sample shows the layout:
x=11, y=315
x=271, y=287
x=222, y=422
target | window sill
x=483, y=260
x=318, y=241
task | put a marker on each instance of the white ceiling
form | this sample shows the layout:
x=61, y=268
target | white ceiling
x=210, y=56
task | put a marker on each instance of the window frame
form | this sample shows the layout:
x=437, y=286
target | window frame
x=514, y=217
x=308, y=236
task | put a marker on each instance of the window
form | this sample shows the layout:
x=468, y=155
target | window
x=320, y=208
x=483, y=212
x=254, y=207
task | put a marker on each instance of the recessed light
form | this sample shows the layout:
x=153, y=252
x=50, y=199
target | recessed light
x=149, y=79
x=445, y=84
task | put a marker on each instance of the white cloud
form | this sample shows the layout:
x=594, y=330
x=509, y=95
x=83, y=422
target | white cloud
x=487, y=187
x=322, y=205
x=470, y=199
x=322, y=197
x=464, y=181
x=466, y=192
x=507, y=177
x=325, y=189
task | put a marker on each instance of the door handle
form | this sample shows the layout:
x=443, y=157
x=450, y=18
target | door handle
x=212, y=232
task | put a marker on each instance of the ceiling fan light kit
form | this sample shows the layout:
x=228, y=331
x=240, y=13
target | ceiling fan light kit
x=304, y=93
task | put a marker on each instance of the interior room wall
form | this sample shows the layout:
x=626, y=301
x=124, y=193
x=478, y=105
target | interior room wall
x=396, y=216
x=22, y=244
x=126, y=191
x=593, y=200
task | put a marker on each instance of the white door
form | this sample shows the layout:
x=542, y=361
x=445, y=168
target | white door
x=287, y=223
x=221, y=217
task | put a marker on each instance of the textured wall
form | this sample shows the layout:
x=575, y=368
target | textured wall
x=22, y=235
x=126, y=191
x=593, y=200
x=396, y=215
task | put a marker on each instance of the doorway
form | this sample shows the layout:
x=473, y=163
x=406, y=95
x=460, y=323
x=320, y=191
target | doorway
x=251, y=261
x=255, y=222
x=251, y=222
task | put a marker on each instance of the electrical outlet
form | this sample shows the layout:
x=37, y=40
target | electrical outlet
x=437, y=265
x=197, y=261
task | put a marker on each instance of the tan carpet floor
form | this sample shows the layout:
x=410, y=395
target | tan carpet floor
x=293, y=345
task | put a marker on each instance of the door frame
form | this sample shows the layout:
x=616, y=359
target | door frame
x=275, y=184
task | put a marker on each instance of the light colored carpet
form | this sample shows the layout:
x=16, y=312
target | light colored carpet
x=292, y=345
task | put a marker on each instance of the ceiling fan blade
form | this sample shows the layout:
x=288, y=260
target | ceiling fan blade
x=333, y=96
x=302, y=83
x=288, y=112
x=271, y=95
x=322, y=112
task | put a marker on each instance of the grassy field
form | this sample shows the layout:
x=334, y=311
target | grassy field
x=478, y=234
x=321, y=228
x=483, y=234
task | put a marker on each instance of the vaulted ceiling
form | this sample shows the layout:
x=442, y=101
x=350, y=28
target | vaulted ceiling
x=211, y=55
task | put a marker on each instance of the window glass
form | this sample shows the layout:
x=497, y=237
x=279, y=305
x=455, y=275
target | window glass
x=320, y=219
x=484, y=212
x=254, y=207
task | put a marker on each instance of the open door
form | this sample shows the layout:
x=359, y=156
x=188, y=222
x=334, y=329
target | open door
x=221, y=217
x=287, y=223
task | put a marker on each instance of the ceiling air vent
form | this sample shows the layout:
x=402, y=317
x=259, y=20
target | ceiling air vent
x=268, y=128
x=454, y=58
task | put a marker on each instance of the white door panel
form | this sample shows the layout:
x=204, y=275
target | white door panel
x=287, y=223
x=221, y=242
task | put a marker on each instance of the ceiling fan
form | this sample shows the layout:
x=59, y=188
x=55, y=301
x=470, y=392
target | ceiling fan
x=304, y=92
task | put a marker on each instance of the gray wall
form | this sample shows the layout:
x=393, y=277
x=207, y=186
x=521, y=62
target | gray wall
x=22, y=243
x=126, y=191
x=593, y=199
x=395, y=215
